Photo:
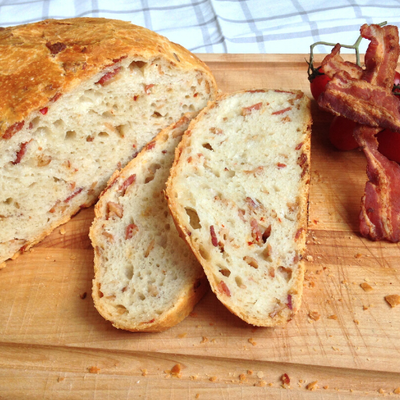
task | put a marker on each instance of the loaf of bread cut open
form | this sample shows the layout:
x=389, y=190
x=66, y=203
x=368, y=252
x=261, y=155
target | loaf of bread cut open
x=146, y=277
x=238, y=192
x=79, y=99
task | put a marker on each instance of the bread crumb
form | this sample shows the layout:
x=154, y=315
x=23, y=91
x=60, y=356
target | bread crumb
x=62, y=231
x=204, y=340
x=260, y=374
x=260, y=383
x=366, y=287
x=176, y=370
x=94, y=370
x=83, y=295
x=365, y=308
x=182, y=335
x=393, y=300
x=193, y=314
x=333, y=316
x=212, y=379
x=314, y=315
x=356, y=321
x=193, y=377
x=285, y=380
x=60, y=379
x=144, y=372
x=249, y=372
x=396, y=391
x=310, y=258
x=73, y=257
x=197, y=395
x=252, y=341
x=325, y=387
x=381, y=391
x=312, y=386
x=242, y=378
x=358, y=255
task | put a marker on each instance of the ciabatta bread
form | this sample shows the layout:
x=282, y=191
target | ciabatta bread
x=146, y=278
x=238, y=193
x=79, y=98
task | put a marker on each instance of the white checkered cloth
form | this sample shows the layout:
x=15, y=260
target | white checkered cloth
x=224, y=26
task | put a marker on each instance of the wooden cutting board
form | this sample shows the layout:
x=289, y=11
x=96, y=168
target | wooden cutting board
x=54, y=344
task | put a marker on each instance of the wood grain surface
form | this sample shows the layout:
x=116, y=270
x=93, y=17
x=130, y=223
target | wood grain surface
x=343, y=344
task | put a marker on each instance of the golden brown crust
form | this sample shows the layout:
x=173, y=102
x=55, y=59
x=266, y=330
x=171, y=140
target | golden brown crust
x=46, y=59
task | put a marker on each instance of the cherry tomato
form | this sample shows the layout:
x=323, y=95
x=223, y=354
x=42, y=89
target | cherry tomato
x=318, y=81
x=389, y=144
x=341, y=133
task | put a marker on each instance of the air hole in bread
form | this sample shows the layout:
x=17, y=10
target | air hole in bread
x=129, y=271
x=9, y=200
x=103, y=134
x=266, y=253
x=137, y=65
x=70, y=135
x=239, y=282
x=156, y=114
x=266, y=234
x=141, y=296
x=194, y=219
x=167, y=227
x=107, y=114
x=204, y=253
x=208, y=146
x=225, y=272
x=286, y=273
x=59, y=124
x=35, y=122
x=122, y=129
x=120, y=309
x=229, y=173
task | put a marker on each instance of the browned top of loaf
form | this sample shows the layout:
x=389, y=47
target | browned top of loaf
x=40, y=61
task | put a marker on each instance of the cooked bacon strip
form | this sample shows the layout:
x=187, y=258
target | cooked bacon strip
x=361, y=101
x=334, y=63
x=380, y=207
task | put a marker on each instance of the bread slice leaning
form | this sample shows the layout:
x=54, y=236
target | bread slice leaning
x=79, y=98
x=146, y=278
x=238, y=192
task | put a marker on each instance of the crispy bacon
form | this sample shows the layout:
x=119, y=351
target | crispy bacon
x=369, y=102
x=127, y=182
x=334, y=63
x=361, y=101
x=21, y=152
x=108, y=76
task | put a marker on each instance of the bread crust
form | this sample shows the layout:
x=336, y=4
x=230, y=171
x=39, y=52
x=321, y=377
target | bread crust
x=285, y=315
x=44, y=60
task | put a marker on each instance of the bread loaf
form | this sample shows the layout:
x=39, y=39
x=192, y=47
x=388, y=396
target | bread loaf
x=146, y=278
x=78, y=99
x=238, y=192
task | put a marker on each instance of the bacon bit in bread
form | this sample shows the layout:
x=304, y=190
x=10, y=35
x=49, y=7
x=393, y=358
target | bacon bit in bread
x=13, y=129
x=216, y=131
x=21, y=152
x=256, y=232
x=312, y=385
x=290, y=302
x=108, y=235
x=393, y=300
x=73, y=195
x=214, y=239
x=249, y=110
x=285, y=380
x=147, y=88
x=55, y=97
x=151, y=145
x=223, y=288
x=127, y=182
x=225, y=272
x=108, y=76
x=114, y=210
x=282, y=111
x=251, y=261
x=271, y=272
x=299, y=146
x=44, y=110
x=366, y=287
x=281, y=165
x=286, y=272
x=298, y=233
x=131, y=231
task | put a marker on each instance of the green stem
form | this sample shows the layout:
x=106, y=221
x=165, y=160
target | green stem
x=354, y=46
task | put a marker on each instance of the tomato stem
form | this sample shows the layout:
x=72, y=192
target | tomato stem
x=314, y=71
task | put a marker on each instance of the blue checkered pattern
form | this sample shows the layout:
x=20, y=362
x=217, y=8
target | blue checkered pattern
x=224, y=26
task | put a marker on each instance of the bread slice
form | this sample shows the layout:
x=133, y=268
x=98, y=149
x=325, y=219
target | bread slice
x=146, y=277
x=238, y=192
x=79, y=98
